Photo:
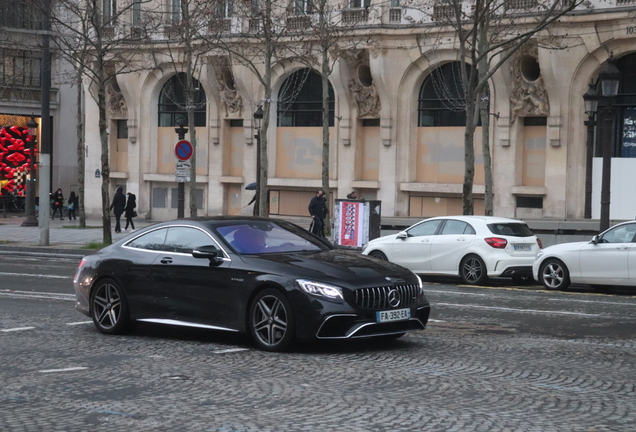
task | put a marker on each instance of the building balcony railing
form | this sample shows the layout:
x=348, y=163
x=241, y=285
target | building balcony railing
x=443, y=13
x=220, y=25
x=300, y=22
x=355, y=16
x=395, y=15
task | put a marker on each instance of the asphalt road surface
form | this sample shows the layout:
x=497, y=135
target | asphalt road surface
x=498, y=358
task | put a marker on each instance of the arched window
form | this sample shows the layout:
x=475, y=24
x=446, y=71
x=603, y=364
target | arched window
x=172, y=102
x=441, y=100
x=300, y=100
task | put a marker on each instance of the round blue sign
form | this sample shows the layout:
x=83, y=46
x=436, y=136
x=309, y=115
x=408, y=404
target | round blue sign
x=183, y=150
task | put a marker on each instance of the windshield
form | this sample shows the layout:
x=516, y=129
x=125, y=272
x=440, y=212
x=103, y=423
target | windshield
x=258, y=237
x=511, y=229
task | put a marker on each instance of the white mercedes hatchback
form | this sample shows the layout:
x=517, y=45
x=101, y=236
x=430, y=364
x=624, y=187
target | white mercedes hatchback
x=608, y=259
x=472, y=247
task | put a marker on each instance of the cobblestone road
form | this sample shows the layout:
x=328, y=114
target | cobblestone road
x=59, y=374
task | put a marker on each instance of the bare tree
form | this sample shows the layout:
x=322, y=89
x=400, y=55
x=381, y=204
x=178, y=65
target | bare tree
x=101, y=42
x=488, y=33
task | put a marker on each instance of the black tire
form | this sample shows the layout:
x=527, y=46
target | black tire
x=473, y=270
x=378, y=254
x=554, y=275
x=272, y=321
x=109, y=308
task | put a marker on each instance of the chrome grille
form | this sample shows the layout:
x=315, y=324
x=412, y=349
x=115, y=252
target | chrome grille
x=378, y=297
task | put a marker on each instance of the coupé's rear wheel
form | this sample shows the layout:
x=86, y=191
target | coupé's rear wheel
x=379, y=255
x=473, y=270
x=554, y=275
x=109, y=308
x=272, y=321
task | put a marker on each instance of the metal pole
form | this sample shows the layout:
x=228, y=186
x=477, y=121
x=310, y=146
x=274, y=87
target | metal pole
x=45, y=140
x=590, y=123
x=181, y=132
x=608, y=145
x=258, y=172
x=31, y=220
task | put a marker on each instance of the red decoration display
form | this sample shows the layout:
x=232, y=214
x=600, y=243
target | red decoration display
x=14, y=158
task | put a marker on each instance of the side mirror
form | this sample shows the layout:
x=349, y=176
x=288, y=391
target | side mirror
x=402, y=235
x=210, y=252
x=594, y=239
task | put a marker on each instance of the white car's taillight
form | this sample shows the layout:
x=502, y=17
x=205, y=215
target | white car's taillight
x=497, y=242
x=539, y=243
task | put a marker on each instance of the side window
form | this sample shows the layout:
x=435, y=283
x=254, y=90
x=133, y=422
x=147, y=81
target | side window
x=153, y=240
x=457, y=227
x=184, y=239
x=425, y=228
x=621, y=234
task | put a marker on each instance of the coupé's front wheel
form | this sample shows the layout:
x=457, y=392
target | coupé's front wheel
x=272, y=321
x=109, y=308
x=554, y=275
x=473, y=270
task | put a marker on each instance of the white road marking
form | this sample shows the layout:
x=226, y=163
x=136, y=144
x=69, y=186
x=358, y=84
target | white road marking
x=231, y=350
x=17, y=329
x=36, y=275
x=516, y=310
x=33, y=294
x=80, y=322
x=63, y=370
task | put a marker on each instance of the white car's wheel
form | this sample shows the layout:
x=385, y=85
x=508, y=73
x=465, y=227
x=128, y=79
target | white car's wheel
x=554, y=275
x=473, y=270
x=379, y=255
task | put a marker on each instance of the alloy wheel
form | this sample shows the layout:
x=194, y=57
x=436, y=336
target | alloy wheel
x=107, y=306
x=473, y=270
x=269, y=320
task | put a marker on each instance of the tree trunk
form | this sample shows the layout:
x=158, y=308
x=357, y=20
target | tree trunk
x=325, y=115
x=103, y=135
x=81, y=211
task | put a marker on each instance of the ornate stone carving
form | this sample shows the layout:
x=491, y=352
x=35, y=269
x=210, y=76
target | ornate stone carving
x=361, y=84
x=230, y=97
x=117, y=108
x=529, y=97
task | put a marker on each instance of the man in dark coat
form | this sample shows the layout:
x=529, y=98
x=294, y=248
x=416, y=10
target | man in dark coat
x=118, y=205
x=318, y=211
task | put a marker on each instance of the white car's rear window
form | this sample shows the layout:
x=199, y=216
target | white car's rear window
x=510, y=229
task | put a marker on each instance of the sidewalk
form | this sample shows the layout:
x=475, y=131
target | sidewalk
x=65, y=237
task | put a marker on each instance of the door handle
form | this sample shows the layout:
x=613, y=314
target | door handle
x=461, y=239
x=166, y=260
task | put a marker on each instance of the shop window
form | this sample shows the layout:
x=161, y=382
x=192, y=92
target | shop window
x=300, y=100
x=441, y=98
x=172, y=102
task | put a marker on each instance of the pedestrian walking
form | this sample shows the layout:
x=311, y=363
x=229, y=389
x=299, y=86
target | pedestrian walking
x=318, y=211
x=129, y=211
x=118, y=205
x=72, y=205
x=58, y=204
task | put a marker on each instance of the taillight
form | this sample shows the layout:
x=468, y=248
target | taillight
x=496, y=242
x=539, y=243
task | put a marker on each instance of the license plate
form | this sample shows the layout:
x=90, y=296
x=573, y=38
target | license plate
x=393, y=315
x=522, y=247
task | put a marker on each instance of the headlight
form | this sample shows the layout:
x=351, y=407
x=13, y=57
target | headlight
x=328, y=292
x=419, y=280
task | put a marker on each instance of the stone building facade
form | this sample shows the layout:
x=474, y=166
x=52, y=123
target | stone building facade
x=396, y=137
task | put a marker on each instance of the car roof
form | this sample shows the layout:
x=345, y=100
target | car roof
x=477, y=218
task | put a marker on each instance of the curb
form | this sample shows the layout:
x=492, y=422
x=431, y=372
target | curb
x=45, y=251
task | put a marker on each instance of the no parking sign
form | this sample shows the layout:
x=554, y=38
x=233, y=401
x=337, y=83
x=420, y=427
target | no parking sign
x=183, y=150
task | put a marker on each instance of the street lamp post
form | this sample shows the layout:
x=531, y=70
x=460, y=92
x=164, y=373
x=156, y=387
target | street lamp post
x=181, y=132
x=258, y=118
x=30, y=219
x=609, y=81
x=590, y=99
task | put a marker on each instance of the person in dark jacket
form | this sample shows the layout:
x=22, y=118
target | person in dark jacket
x=130, y=212
x=58, y=204
x=318, y=211
x=118, y=205
x=72, y=206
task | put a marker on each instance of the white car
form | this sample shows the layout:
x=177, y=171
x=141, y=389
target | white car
x=472, y=247
x=608, y=259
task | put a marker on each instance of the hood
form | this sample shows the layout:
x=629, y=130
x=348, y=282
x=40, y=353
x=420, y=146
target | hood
x=338, y=267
